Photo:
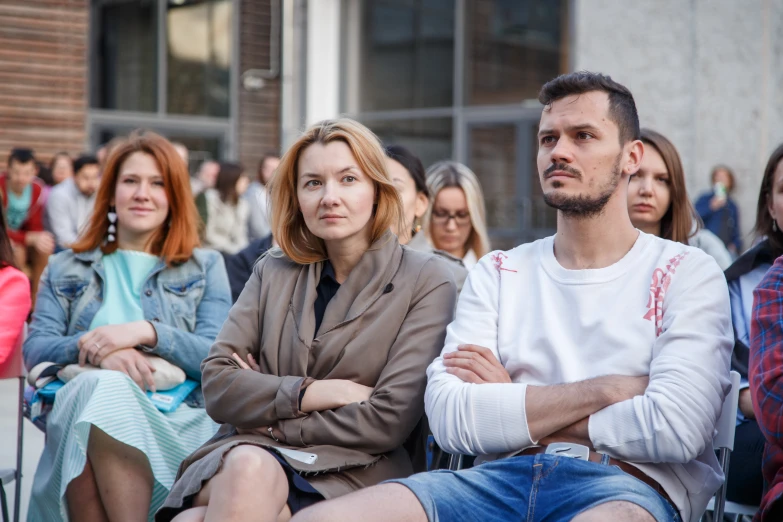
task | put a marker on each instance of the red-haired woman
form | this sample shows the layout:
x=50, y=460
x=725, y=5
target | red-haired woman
x=134, y=285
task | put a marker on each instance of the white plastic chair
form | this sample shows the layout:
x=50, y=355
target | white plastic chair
x=14, y=369
x=724, y=444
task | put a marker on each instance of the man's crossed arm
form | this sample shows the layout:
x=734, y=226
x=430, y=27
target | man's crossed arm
x=555, y=413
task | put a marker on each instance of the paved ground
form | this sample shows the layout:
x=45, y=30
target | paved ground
x=33, y=444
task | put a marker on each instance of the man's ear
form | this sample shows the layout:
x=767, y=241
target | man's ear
x=634, y=157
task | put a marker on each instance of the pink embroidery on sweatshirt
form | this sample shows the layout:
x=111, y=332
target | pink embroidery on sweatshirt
x=661, y=279
x=498, y=259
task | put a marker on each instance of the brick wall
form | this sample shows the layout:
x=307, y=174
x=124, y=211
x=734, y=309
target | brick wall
x=43, y=75
x=259, y=111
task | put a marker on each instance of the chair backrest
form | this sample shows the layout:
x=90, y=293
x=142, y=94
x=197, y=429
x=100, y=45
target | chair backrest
x=14, y=366
x=727, y=422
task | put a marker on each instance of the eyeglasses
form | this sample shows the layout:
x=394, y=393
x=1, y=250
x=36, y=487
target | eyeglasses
x=441, y=217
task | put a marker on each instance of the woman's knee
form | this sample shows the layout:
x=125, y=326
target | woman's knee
x=252, y=463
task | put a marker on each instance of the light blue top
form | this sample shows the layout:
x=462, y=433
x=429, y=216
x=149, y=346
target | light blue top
x=18, y=207
x=186, y=303
x=125, y=274
x=741, y=296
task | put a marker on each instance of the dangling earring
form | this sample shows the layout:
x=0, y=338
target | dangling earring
x=417, y=225
x=774, y=226
x=112, y=215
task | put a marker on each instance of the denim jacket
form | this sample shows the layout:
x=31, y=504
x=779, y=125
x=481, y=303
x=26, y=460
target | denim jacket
x=186, y=304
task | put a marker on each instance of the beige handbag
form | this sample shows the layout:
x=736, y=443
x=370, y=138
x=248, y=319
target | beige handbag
x=166, y=375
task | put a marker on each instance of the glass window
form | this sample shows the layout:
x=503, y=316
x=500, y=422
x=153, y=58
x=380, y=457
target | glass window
x=406, y=54
x=493, y=157
x=125, y=64
x=512, y=48
x=429, y=139
x=199, y=47
x=543, y=218
x=200, y=149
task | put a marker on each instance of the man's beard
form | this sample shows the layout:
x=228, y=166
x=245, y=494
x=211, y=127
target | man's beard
x=582, y=206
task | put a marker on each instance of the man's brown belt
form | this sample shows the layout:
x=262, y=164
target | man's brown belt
x=631, y=470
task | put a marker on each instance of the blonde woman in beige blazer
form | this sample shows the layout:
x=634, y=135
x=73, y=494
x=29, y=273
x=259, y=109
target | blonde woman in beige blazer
x=326, y=349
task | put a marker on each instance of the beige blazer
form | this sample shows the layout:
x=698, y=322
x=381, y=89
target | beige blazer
x=382, y=329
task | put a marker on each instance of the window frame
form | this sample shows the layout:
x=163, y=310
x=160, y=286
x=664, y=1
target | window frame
x=224, y=129
x=462, y=116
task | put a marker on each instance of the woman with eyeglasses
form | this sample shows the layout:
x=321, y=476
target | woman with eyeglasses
x=407, y=174
x=456, y=222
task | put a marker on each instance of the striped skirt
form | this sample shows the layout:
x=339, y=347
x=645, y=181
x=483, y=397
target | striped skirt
x=112, y=402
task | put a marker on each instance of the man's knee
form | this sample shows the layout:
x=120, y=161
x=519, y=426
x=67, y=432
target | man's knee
x=384, y=502
x=617, y=510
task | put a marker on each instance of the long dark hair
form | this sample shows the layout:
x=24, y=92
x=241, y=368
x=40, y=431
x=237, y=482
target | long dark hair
x=677, y=222
x=763, y=220
x=412, y=164
x=6, y=252
x=226, y=182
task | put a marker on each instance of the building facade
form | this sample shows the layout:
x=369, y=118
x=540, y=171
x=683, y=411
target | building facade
x=459, y=79
x=76, y=73
x=233, y=79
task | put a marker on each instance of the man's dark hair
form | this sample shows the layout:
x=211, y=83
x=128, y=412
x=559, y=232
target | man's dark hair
x=21, y=155
x=622, y=108
x=82, y=161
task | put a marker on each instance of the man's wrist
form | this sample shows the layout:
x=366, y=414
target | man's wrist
x=600, y=392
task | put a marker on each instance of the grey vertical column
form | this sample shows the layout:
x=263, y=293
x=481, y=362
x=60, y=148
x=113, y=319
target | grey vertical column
x=162, y=65
x=459, y=129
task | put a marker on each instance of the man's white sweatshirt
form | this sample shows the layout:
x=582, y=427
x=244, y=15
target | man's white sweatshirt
x=662, y=310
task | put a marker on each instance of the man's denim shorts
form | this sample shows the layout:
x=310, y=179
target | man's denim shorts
x=531, y=488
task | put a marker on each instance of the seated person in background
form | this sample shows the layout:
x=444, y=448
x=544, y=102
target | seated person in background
x=182, y=152
x=227, y=212
x=23, y=202
x=257, y=197
x=658, y=200
x=134, y=286
x=718, y=210
x=14, y=299
x=456, y=223
x=611, y=341
x=240, y=265
x=325, y=351
x=204, y=180
x=70, y=203
x=407, y=174
x=745, y=480
x=61, y=168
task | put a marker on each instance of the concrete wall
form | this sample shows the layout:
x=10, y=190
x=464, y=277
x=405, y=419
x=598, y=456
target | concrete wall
x=706, y=73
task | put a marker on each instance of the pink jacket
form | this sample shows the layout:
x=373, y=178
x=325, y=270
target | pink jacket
x=14, y=308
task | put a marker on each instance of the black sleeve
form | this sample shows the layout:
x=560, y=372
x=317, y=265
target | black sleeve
x=240, y=265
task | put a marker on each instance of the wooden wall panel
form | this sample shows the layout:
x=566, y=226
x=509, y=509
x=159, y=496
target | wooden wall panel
x=43, y=76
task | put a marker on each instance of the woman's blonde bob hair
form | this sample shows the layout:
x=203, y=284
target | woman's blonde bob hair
x=445, y=174
x=288, y=225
